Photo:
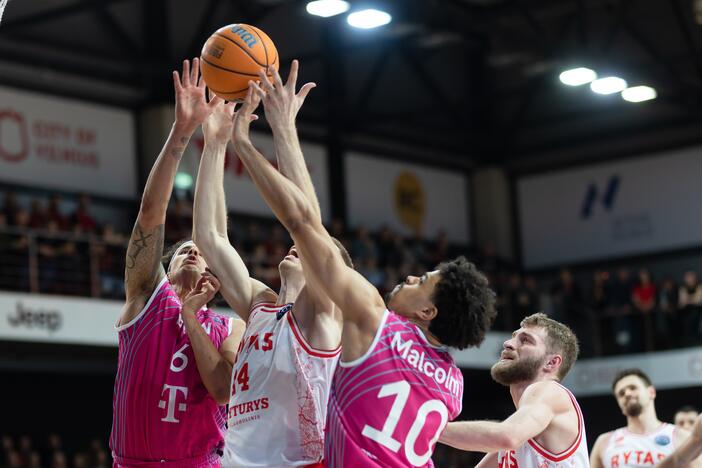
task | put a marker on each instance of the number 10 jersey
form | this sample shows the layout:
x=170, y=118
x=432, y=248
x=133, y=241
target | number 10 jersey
x=388, y=408
x=279, y=393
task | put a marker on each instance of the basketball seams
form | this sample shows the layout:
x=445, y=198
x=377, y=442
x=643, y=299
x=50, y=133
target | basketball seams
x=263, y=43
x=227, y=69
x=218, y=34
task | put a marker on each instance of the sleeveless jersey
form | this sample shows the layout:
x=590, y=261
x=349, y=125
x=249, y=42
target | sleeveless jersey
x=533, y=455
x=279, y=394
x=628, y=450
x=162, y=411
x=388, y=408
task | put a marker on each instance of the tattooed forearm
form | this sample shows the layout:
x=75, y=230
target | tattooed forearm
x=144, y=256
x=178, y=150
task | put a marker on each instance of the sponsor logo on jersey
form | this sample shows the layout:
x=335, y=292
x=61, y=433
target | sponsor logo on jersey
x=637, y=457
x=419, y=361
x=662, y=440
x=283, y=310
x=509, y=460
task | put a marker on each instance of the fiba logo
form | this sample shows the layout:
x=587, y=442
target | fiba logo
x=14, y=137
x=592, y=196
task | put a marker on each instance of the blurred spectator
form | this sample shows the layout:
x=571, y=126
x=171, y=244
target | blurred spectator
x=363, y=247
x=567, y=297
x=685, y=417
x=643, y=297
x=689, y=302
x=54, y=214
x=34, y=460
x=111, y=255
x=58, y=460
x=666, y=313
x=82, y=216
x=38, y=216
x=10, y=207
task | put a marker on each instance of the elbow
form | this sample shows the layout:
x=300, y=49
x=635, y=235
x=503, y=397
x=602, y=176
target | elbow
x=297, y=219
x=507, y=441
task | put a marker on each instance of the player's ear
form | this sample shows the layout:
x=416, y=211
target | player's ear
x=554, y=362
x=428, y=313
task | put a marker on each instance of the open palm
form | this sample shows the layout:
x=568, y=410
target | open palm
x=192, y=107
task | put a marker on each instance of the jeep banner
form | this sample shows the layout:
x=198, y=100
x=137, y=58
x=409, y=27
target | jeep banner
x=75, y=144
x=616, y=209
x=409, y=198
x=57, y=319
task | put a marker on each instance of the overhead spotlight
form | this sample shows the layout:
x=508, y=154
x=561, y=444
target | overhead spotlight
x=639, y=94
x=608, y=85
x=327, y=8
x=368, y=19
x=577, y=76
x=183, y=181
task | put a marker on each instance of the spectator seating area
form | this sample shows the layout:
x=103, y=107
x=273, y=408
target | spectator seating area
x=22, y=451
x=45, y=250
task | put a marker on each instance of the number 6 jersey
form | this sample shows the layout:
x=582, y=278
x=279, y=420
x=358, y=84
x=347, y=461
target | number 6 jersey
x=162, y=412
x=279, y=394
x=388, y=408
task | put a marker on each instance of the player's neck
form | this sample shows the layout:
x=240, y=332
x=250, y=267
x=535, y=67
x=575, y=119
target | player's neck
x=289, y=291
x=516, y=390
x=644, y=423
x=183, y=287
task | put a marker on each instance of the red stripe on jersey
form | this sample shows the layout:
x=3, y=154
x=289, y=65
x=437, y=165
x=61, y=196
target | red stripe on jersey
x=322, y=353
x=569, y=451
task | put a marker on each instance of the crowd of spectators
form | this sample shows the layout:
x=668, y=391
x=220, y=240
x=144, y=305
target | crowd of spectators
x=51, y=452
x=611, y=311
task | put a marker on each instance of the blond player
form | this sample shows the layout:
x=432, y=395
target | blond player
x=645, y=440
x=280, y=382
x=547, y=430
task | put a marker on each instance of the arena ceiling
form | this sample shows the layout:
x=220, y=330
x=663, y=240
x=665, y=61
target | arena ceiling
x=469, y=81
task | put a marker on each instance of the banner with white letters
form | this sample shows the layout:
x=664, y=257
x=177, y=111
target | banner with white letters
x=408, y=198
x=628, y=207
x=61, y=143
x=241, y=193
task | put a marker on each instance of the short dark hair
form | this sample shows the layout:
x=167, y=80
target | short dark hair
x=633, y=371
x=687, y=409
x=465, y=305
x=560, y=339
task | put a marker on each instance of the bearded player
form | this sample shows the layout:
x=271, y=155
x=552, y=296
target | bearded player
x=547, y=430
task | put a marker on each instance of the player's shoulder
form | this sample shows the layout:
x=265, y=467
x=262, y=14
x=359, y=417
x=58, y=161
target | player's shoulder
x=602, y=440
x=548, y=389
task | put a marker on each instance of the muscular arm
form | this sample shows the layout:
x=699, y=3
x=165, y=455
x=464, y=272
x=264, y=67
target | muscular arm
x=535, y=413
x=689, y=449
x=210, y=230
x=598, y=450
x=143, y=268
x=360, y=302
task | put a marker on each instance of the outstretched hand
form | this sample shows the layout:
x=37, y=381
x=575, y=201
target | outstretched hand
x=245, y=115
x=204, y=292
x=192, y=107
x=218, y=126
x=280, y=101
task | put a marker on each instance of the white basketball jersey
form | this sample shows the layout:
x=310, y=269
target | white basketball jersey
x=279, y=394
x=628, y=450
x=533, y=455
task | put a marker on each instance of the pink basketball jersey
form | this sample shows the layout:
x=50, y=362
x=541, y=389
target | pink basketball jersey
x=162, y=411
x=388, y=408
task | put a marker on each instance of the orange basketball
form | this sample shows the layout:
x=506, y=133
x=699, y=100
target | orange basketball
x=232, y=56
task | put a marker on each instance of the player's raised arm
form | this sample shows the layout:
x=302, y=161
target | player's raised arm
x=359, y=300
x=538, y=406
x=281, y=104
x=143, y=268
x=689, y=449
x=210, y=223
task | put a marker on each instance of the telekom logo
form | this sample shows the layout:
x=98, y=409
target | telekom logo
x=13, y=128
